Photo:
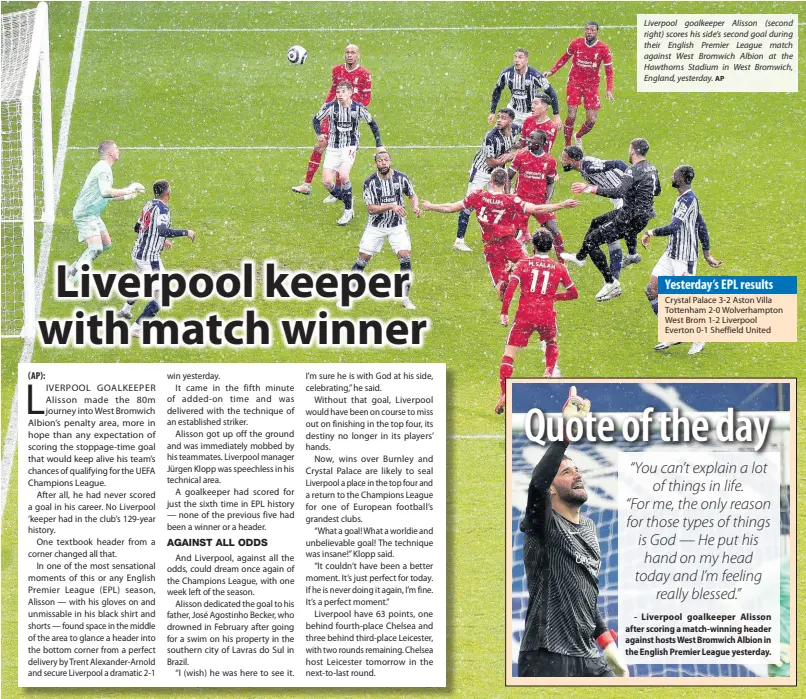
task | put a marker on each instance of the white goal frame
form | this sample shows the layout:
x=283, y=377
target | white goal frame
x=36, y=63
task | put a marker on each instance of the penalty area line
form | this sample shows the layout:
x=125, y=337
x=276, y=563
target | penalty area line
x=124, y=147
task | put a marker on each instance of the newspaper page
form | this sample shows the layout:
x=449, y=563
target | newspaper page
x=301, y=301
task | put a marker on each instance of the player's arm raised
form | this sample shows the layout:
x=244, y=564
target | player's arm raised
x=538, y=501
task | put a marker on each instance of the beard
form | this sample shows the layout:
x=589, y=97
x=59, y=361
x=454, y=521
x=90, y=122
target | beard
x=573, y=497
x=384, y=170
x=590, y=41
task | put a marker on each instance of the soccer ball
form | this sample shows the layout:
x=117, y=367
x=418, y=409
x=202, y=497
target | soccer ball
x=297, y=55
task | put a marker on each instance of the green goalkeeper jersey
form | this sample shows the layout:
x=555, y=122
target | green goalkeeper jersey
x=91, y=201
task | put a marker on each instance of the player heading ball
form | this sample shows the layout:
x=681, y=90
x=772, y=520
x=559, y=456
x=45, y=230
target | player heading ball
x=561, y=557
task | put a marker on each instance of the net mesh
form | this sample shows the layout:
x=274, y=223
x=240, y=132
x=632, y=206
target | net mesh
x=17, y=39
x=598, y=465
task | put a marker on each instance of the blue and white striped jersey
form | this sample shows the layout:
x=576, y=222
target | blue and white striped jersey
x=686, y=230
x=152, y=228
x=523, y=89
x=607, y=173
x=379, y=190
x=495, y=144
x=344, y=123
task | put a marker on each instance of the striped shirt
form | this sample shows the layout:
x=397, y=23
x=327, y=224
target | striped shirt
x=91, y=200
x=686, y=230
x=153, y=228
x=562, y=562
x=387, y=190
x=605, y=173
x=523, y=89
x=344, y=123
x=495, y=144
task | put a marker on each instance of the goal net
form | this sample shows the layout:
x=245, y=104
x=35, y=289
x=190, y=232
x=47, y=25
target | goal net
x=27, y=163
x=598, y=465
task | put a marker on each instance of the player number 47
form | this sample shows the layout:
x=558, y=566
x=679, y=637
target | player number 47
x=482, y=215
x=535, y=275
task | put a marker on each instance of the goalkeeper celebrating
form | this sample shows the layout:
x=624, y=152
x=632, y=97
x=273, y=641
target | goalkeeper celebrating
x=561, y=557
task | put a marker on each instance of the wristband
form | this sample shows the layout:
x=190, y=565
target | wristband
x=606, y=639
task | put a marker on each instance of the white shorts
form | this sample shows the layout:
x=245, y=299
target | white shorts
x=520, y=117
x=667, y=267
x=336, y=157
x=372, y=240
x=89, y=226
x=478, y=180
x=144, y=267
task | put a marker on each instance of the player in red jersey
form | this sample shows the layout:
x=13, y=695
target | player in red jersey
x=583, y=80
x=537, y=173
x=539, y=120
x=361, y=80
x=497, y=212
x=538, y=277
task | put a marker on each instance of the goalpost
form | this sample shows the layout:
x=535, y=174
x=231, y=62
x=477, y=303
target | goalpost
x=27, y=163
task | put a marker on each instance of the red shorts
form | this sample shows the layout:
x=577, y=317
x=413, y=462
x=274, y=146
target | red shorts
x=575, y=92
x=498, y=253
x=522, y=330
x=522, y=223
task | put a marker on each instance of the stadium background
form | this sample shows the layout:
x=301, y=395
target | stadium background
x=598, y=465
x=214, y=105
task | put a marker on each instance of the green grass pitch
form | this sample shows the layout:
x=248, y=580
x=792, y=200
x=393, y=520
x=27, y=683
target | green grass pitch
x=430, y=88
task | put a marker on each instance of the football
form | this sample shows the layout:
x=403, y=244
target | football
x=297, y=55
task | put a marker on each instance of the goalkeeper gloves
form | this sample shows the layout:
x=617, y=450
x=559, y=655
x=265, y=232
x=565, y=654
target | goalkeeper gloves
x=613, y=656
x=136, y=188
x=784, y=653
x=575, y=406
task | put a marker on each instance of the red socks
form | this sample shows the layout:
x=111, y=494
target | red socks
x=568, y=130
x=559, y=246
x=505, y=371
x=586, y=127
x=552, y=354
x=313, y=166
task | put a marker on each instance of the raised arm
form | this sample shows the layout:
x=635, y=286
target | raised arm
x=538, y=501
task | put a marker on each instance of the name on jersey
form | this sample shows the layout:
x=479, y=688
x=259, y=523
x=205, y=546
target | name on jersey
x=389, y=198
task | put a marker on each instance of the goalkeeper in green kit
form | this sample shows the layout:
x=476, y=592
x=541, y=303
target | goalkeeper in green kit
x=561, y=558
x=96, y=193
